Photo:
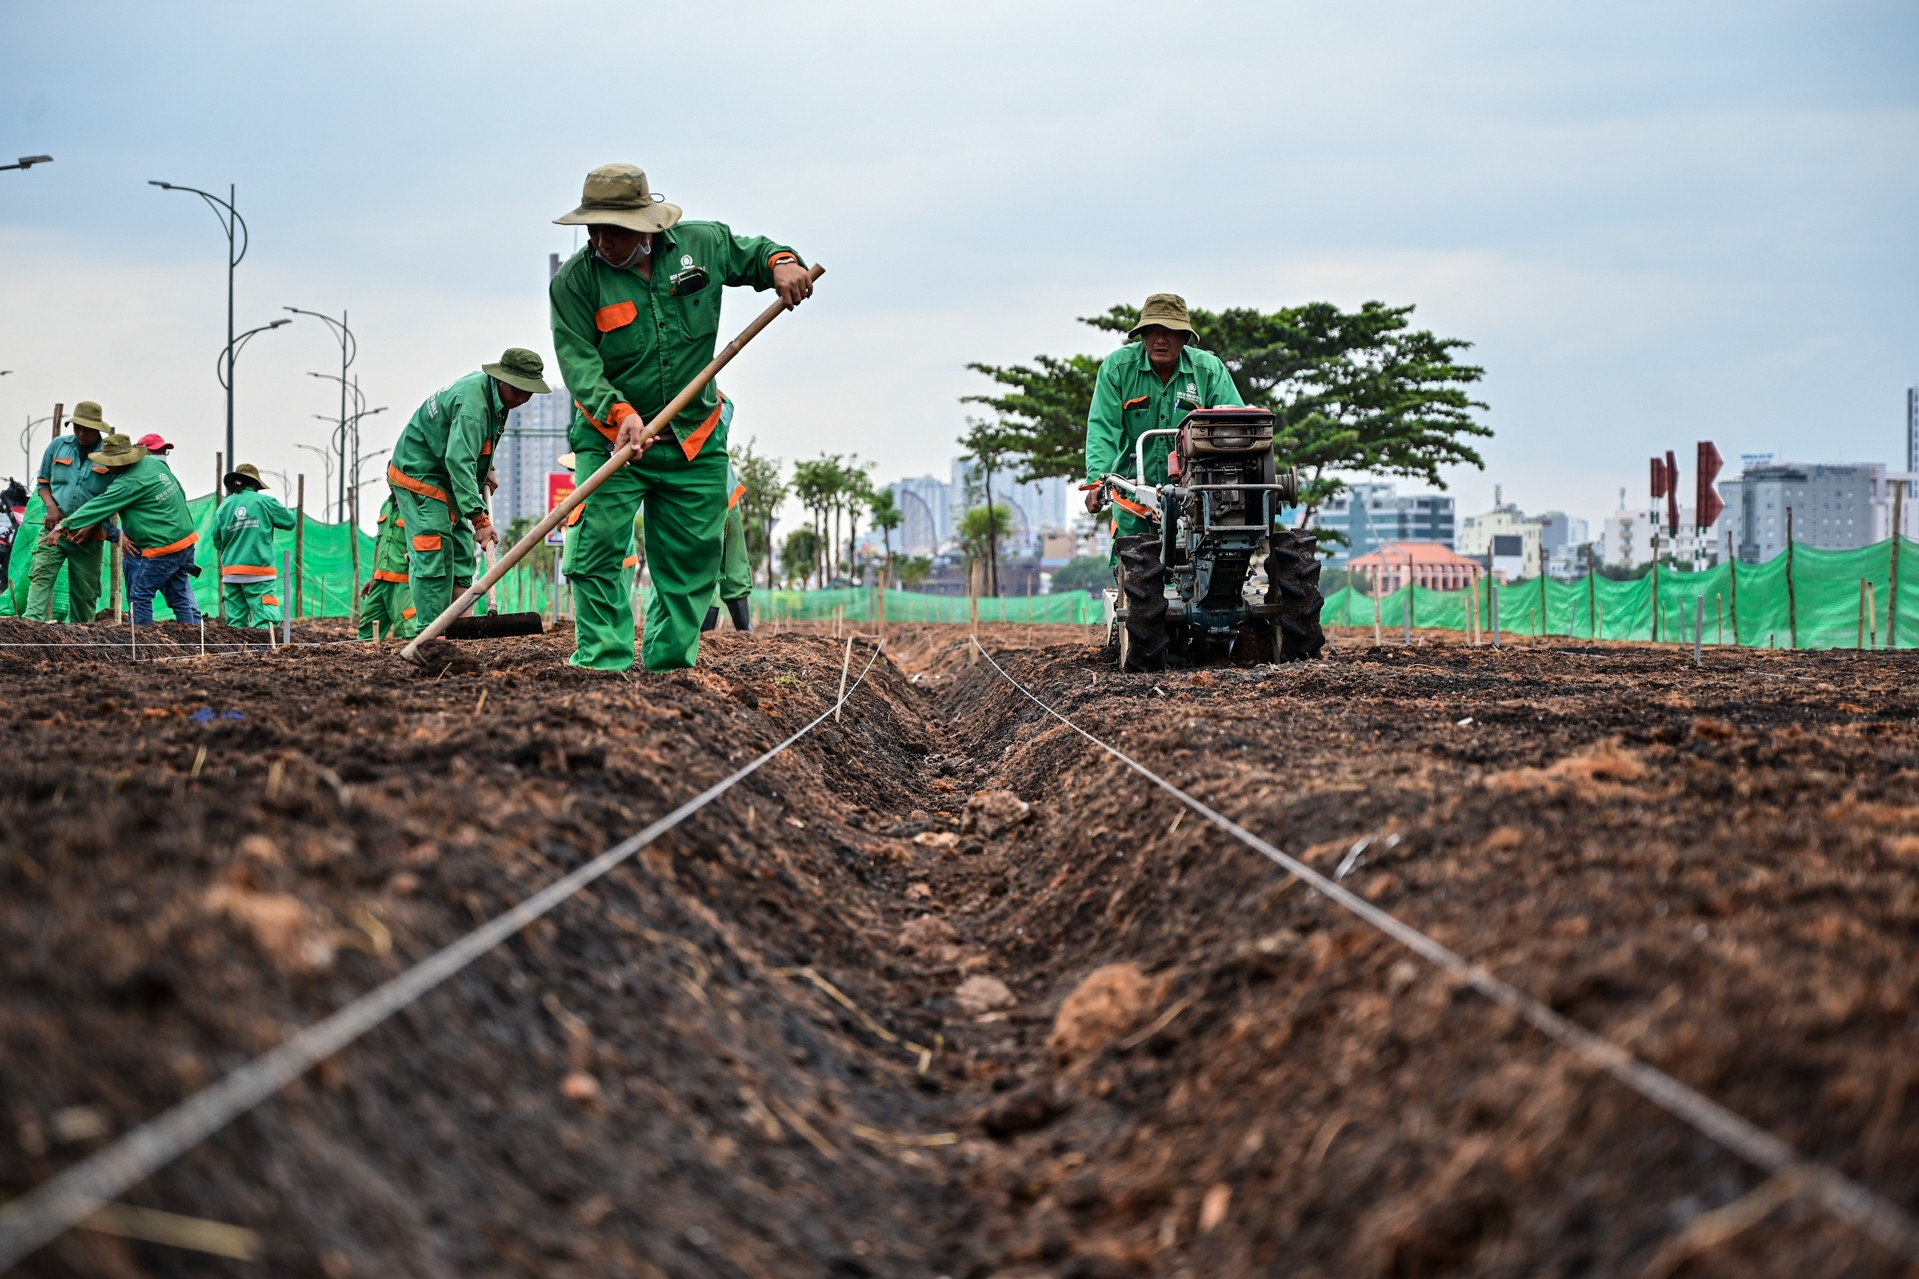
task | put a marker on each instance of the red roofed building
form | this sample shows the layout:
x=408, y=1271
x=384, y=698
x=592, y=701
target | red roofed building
x=1432, y=565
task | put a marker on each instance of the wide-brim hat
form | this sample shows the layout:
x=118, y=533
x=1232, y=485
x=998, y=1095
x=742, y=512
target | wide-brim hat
x=617, y=195
x=117, y=450
x=521, y=368
x=248, y=474
x=87, y=414
x=1168, y=310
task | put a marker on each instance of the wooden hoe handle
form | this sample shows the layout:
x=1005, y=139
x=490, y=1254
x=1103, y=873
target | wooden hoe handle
x=557, y=516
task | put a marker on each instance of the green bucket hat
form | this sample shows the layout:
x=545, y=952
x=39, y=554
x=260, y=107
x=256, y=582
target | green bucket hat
x=247, y=473
x=117, y=450
x=519, y=367
x=1168, y=310
x=87, y=413
x=617, y=195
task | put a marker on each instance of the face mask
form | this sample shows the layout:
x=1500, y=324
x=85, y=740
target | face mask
x=645, y=249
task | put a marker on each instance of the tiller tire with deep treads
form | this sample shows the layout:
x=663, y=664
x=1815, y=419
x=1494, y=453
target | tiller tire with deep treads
x=1143, y=641
x=1292, y=582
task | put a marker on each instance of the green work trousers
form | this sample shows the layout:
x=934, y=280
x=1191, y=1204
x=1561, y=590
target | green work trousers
x=685, y=505
x=390, y=604
x=440, y=552
x=83, y=564
x=736, y=569
x=252, y=603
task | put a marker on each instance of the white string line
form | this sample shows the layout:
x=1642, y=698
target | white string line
x=69, y=1198
x=1880, y=1220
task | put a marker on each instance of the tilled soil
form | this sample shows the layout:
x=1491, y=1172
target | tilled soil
x=824, y=1028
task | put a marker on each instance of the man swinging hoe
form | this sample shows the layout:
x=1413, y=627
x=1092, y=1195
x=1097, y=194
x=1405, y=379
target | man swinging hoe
x=636, y=317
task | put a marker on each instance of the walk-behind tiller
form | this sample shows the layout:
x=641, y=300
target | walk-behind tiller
x=1218, y=515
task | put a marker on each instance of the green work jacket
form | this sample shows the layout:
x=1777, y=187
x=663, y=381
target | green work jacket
x=623, y=339
x=243, y=533
x=71, y=475
x=389, y=548
x=1130, y=399
x=153, y=511
x=446, y=449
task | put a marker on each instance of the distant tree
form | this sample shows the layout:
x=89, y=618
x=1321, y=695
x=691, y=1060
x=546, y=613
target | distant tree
x=817, y=484
x=887, y=516
x=980, y=532
x=855, y=493
x=1088, y=573
x=799, y=555
x=913, y=570
x=1358, y=391
x=990, y=445
x=760, y=504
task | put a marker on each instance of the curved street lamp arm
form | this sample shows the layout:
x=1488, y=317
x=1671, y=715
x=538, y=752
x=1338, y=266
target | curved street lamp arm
x=215, y=203
x=222, y=368
x=349, y=344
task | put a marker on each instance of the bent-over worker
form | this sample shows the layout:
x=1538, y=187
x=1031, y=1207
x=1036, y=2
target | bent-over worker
x=386, y=601
x=155, y=525
x=441, y=473
x=636, y=316
x=734, y=590
x=1150, y=386
x=243, y=534
x=66, y=481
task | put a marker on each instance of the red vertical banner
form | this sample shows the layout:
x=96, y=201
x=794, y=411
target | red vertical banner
x=1658, y=478
x=1707, y=504
x=1672, y=494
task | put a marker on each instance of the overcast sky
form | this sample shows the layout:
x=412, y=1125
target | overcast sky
x=1656, y=223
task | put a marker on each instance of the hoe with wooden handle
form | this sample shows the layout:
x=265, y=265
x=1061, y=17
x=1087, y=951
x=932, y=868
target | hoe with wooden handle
x=557, y=516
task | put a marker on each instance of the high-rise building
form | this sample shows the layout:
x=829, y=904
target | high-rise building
x=1371, y=514
x=1036, y=506
x=1835, y=507
x=926, y=509
x=528, y=450
x=1912, y=435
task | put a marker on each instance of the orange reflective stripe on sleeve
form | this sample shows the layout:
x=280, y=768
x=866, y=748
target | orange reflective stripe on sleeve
x=610, y=433
x=739, y=491
x=388, y=575
x=426, y=542
x=780, y=257
x=578, y=511
x=250, y=570
x=693, y=443
x=171, y=547
x=631, y=561
x=617, y=316
x=395, y=475
x=486, y=448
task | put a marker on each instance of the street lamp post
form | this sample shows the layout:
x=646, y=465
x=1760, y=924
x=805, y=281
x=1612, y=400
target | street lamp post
x=349, y=351
x=236, y=228
x=27, y=162
x=346, y=433
x=26, y=438
x=223, y=369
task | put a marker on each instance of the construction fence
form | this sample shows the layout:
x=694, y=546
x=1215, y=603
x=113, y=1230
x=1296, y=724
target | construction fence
x=1804, y=598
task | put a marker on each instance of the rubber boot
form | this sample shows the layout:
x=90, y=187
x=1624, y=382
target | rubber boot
x=742, y=611
x=712, y=622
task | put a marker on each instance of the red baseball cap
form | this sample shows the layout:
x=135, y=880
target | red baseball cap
x=154, y=444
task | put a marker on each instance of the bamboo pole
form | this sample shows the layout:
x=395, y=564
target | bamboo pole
x=353, y=541
x=1872, y=615
x=1592, y=593
x=1542, y=592
x=1732, y=587
x=300, y=551
x=219, y=560
x=585, y=488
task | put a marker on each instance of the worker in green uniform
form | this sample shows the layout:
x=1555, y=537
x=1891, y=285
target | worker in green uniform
x=67, y=479
x=155, y=525
x=386, y=601
x=441, y=473
x=636, y=315
x=1150, y=385
x=243, y=534
x=734, y=590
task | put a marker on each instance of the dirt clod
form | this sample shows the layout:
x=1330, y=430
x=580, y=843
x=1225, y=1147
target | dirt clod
x=983, y=994
x=991, y=813
x=1109, y=1003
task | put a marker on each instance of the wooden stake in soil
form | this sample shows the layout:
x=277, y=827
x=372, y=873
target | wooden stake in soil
x=1655, y=584
x=300, y=549
x=1592, y=593
x=845, y=666
x=353, y=540
x=286, y=614
x=1892, y=572
x=1792, y=596
x=1719, y=603
x=1872, y=615
x=1732, y=586
x=563, y=509
x=1698, y=625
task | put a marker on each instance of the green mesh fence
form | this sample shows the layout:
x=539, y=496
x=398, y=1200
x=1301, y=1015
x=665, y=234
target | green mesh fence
x=862, y=604
x=1808, y=598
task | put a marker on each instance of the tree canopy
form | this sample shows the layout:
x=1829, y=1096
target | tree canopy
x=1355, y=391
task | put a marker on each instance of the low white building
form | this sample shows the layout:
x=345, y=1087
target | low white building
x=1505, y=539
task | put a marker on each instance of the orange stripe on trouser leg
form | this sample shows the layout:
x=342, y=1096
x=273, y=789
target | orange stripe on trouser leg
x=426, y=542
x=274, y=600
x=408, y=613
